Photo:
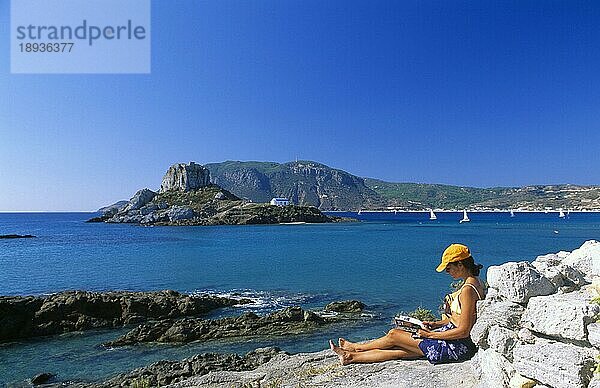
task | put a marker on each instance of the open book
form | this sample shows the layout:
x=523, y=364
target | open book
x=410, y=324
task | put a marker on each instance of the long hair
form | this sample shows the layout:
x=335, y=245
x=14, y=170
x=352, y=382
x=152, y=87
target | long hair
x=469, y=263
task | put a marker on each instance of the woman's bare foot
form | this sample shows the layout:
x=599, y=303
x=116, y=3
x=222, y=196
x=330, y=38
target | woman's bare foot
x=344, y=356
x=347, y=345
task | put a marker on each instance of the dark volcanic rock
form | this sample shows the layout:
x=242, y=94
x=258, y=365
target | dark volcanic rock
x=16, y=236
x=102, y=218
x=23, y=317
x=291, y=320
x=41, y=378
x=347, y=306
x=162, y=373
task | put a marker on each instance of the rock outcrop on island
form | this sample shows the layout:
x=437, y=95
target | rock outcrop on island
x=185, y=177
x=25, y=317
x=289, y=321
x=187, y=197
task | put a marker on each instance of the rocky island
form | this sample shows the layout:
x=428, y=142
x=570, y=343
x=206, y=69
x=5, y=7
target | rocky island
x=187, y=197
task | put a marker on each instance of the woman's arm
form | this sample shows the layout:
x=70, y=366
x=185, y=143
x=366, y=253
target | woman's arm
x=436, y=324
x=466, y=320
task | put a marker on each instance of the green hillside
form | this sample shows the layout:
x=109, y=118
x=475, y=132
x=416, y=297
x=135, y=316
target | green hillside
x=312, y=183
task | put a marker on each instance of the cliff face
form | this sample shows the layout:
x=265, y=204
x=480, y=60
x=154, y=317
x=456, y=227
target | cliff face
x=185, y=177
x=303, y=182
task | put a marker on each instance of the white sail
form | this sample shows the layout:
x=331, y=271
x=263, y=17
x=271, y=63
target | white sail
x=432, y=215
x=512, y=213
x=561, y=214
x=465, y=217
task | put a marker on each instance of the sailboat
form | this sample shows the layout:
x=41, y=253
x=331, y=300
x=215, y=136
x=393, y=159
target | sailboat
x=512, y=213
x=561, y=214
x=465, y=217
x=432, y=215
x=359, y=211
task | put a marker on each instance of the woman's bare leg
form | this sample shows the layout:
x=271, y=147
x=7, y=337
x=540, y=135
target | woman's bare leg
x=375, y=355
x=395, y=338
x=378, y=355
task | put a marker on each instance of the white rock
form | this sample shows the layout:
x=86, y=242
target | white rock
x=563, y=275
x=185, y=177
x=180, y=213
x=573, y=276
x=554, y=363
x=594, y=334
x=560, y=315
x=323, y=370
x=494, y=370
x=563, y=254
x=519, y=281
x=518, y=381
x=595, y=286
x=494, y=313
x=545, y=261
x=595, y=383
x=526, y=336
x=502, y=340
x=586, y=259
x=492, y=294
x=139, y=199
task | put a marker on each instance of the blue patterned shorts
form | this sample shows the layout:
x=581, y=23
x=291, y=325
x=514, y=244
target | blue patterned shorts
x=444, y=351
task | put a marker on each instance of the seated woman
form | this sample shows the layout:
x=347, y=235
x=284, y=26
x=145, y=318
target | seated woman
x=446, y=340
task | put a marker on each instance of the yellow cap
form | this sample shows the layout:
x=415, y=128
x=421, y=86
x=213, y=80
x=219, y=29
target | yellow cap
x=455, y=252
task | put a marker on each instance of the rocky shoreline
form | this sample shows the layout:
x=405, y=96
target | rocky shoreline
x=289, y=321
x=34, y=316
x=539, y=326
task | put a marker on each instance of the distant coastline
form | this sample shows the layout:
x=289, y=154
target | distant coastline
x=516, y=211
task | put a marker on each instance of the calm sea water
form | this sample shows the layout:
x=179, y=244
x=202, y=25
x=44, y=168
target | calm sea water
x=387, y=260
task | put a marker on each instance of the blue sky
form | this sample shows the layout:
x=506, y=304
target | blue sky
x=470, y=93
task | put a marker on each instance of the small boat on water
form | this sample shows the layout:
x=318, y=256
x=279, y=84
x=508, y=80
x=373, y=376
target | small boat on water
x=360, y=212
x=465, y=217
x=512, y=213
x=432, y=215
x=561, y=214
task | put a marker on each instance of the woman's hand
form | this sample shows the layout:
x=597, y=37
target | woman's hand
x=424, y=333
x=431, y=325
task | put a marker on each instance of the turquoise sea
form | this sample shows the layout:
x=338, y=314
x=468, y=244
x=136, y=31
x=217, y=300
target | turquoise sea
x=387, y=261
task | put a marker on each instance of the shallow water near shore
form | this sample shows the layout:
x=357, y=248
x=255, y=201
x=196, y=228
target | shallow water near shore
x=386, y=261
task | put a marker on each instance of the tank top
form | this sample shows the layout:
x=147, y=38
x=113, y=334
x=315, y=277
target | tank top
x=452, y=303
